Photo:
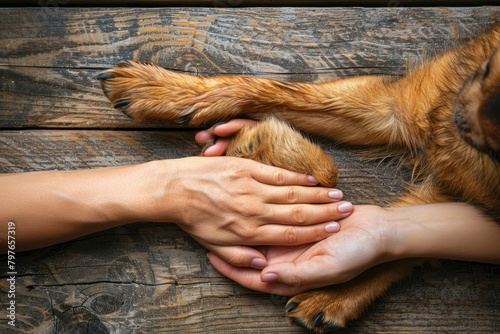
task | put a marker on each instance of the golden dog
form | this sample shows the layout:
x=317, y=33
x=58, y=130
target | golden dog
x=443, y=117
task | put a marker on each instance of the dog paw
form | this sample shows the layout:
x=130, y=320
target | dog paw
x=317, y=324
x=321, y=311
x=334, y=306
x=265, y=143
x=146, y=91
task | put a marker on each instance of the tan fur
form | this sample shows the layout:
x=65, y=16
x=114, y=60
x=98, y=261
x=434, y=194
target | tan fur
x=442, y=116
x=274, y=142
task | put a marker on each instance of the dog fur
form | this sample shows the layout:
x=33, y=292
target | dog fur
x=442, y=117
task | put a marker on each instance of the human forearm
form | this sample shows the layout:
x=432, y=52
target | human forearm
x=454, y=231
x=56, y=206
x=222, y=202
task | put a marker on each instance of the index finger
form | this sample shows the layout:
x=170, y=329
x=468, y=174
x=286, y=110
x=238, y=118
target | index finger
x=232, y=127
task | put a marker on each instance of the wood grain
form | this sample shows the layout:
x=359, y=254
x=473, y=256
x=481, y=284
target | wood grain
x=51, y=56
x=153, y=278
x=247, y=3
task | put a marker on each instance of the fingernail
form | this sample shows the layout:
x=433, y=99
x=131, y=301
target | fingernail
x=212, y=128
x=269, y=277
x=258, y=263
x=311, y=179
x=335, y=194
x=208, y=144
x=345, y=207
x=332, y=227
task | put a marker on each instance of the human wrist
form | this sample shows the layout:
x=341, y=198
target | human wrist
x=382, y=223
x=117, y=195
x=418, y=230
x=396, y=233
x=455, y=231
x=153, y=199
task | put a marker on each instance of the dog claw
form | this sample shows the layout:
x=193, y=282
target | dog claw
x=318, y=320
x=104, y=76
x=291, y=306
x=185, y=119
x=300, y=323
x=124, y=63
x=121, y=104
x=330, y=326
x=318, y=324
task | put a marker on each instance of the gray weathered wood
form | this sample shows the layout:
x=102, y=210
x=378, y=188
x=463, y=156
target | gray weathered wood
x=153, y=278
x=50, y=58
x=246, y=3
x=111, y=281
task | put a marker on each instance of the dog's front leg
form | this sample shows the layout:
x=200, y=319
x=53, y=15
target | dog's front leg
x=358, y=111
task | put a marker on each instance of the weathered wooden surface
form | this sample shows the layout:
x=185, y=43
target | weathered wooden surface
x=245, y=3
x=50, y=56
x=153, y=278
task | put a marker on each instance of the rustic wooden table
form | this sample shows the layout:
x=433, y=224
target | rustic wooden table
x=153, y=278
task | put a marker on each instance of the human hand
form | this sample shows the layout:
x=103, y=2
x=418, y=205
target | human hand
x=229, y=204
x=218, y=137
x=358, y=246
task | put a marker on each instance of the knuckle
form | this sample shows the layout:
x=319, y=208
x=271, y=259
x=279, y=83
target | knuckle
x=291, y=236
x=279, y=178
x=292, y=195
x=246, y=233
x=248, y=210
x=237, y=169
x=299, y=214
x=322, y=195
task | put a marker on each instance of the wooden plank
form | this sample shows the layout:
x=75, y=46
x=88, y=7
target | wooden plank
x=241, y=41
x=50, y=58
x=247, y=3
x=58, y=97
x=154, y=278
x=61, y=150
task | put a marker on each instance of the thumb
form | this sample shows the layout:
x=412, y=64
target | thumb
x=232, y=127
x=295, y=274
x=218, y=148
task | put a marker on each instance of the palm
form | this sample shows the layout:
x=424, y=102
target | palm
x=342, y=256
x=335, y=259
